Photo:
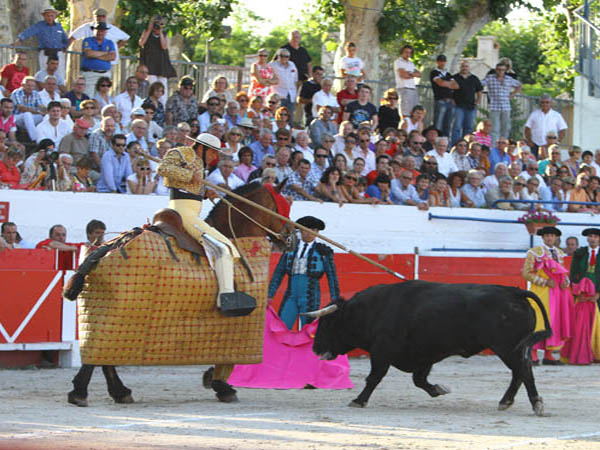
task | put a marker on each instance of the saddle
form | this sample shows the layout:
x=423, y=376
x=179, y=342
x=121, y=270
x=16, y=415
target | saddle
x=169, y=222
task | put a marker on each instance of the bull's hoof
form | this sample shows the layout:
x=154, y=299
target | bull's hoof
x=355, y=404
x=227, y=397
x=439, y=389
x=503, y=406
x=77, y=401
x=538, y=407
x=126, y=399
x=207, y=378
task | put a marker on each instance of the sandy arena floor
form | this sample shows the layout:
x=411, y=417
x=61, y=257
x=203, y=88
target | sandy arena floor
x=173, y=411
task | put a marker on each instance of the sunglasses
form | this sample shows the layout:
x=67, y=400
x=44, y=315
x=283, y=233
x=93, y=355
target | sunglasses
x=362, y=141
x=519, y=184
x=351, y=178
x=320, y=156
x=118, y=145
x=213, y=104
x=272, y=102
x=144, y=168
x=270, y=164
x=237, y=134
x=550, y=137
x=263, y=56
x=417, y=143
x=392, y=98
x=106, y=85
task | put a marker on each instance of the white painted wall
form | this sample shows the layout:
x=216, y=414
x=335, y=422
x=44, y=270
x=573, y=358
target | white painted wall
x=586, y=116
x=363, y=228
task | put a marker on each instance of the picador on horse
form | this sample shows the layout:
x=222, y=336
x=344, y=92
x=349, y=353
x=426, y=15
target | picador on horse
x=150, y=296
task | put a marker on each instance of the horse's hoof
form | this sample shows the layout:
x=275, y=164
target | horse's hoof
x=126, y=399
x=440, y=389
x=77, y=401
x=227, y=397
x=503, y=406
x=355, y=404
x=538, y=407
x=207, y=378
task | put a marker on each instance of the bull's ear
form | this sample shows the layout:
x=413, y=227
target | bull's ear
x=280, y=186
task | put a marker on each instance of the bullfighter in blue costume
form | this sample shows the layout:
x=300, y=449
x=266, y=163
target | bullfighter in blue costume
x=304, y=265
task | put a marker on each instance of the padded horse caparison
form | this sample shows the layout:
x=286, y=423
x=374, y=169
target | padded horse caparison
x=169, y=222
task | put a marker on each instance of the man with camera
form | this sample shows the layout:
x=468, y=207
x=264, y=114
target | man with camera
x=154, y=54
x=42, y=161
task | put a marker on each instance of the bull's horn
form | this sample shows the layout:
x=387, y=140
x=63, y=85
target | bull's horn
x=320, y=312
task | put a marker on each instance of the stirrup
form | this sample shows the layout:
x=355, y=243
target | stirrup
x=235, y=304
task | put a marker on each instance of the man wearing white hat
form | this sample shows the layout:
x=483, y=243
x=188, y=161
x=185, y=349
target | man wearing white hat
x=52, y=39
x=183, y=172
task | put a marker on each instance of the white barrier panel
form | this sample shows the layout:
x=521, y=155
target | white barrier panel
x=363, y=228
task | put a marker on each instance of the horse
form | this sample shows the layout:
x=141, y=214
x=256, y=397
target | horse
x=234, y=219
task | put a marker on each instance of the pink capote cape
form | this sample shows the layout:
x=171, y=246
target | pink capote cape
x=289, y=362
x=578, y=350
x=561, y=304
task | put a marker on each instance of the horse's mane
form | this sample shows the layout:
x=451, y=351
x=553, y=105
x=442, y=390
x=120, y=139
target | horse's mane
x=244, y=190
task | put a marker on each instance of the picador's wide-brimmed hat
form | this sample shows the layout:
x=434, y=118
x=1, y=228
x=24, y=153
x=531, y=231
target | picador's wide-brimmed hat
x=209, y=140
x=549, y=230
x=589, y=231
x=311, y=222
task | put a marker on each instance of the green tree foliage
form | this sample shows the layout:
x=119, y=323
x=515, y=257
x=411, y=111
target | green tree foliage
x=313, y=25
x=185, y=17
x=520, y=44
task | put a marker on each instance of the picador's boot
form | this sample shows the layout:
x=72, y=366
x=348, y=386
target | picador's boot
x=234, y=304
x=225, y=393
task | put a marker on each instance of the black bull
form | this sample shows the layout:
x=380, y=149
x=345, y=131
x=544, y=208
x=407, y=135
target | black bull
x=415, y=324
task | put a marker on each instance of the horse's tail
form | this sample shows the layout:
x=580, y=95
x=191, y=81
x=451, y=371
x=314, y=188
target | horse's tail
x=75, y=284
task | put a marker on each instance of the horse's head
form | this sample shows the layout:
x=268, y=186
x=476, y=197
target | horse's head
x=244, y=220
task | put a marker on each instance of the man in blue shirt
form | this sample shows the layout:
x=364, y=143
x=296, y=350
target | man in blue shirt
x=262, y=147
x=52, y=39
x=498, y=154
x=98, y=52
x=116, y=167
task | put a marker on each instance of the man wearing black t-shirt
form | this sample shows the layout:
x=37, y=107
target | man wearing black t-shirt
x=443, y=86
x=310, y=88
x=466, y=98
x=300, y=57
x=361, y=110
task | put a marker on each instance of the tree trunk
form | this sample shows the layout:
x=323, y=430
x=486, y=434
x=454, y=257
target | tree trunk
x=463, y=30
x=24, y=13
x=563, y=8
x=5, y=26
x=360, y=27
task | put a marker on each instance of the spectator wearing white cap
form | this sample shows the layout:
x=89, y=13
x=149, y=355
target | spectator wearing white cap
x=114, y=33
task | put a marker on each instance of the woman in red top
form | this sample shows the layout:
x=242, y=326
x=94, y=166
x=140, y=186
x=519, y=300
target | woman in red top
x=9, y=173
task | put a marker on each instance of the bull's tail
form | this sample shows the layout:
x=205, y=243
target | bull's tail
x=535, y=336
x=75, y=284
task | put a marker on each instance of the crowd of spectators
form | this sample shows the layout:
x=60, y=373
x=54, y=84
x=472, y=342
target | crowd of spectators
x=342, y=147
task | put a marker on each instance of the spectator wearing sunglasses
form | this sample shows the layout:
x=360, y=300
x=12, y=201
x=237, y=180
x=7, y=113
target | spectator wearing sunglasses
x=141, y=181
x=212, y=107
x=102, y=92
x=182, y=105
x=116, y=167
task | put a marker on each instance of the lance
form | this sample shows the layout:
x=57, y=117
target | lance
x=291, y=222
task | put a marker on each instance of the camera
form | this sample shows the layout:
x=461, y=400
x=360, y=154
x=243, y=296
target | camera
x=157, y=23
x=50, y=158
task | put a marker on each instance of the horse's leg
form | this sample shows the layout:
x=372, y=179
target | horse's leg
x=116, y=389
x=78, y=396
x=225, y=393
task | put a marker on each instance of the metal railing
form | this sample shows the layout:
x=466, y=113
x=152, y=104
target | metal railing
x=202, y=73
x=588, y=45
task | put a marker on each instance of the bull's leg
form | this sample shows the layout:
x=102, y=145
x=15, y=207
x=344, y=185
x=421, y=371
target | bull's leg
x=378, y=370
x=514, y=362
x=116, y=389
x=78, y=396
x=225, y=393
x=420, y=379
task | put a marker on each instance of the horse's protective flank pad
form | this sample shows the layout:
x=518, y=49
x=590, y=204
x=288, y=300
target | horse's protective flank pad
x=149, y=309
